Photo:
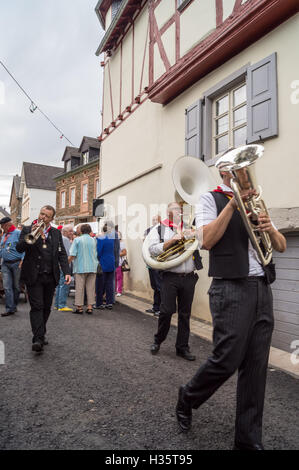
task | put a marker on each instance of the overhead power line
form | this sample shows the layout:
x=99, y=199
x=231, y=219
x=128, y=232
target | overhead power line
x=33, y=106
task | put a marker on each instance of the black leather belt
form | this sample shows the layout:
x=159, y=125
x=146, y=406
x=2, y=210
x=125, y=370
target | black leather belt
x=179, y=274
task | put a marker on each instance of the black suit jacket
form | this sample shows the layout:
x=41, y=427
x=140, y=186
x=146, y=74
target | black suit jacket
x=33, y=253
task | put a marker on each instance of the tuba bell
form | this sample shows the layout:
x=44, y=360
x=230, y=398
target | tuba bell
x=191, y=178
x=239, y=161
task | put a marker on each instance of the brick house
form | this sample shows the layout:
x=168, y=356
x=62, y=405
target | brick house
x=78, y=185
x=15, y=202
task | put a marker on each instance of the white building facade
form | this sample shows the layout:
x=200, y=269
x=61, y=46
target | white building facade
x=196, y=77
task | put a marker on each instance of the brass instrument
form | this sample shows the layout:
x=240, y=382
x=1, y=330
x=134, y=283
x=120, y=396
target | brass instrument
x=34, y=235
x=191, y=178
x=239, y=161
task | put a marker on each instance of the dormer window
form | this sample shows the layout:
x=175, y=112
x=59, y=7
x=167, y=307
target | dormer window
x=85, y=158
x=68, y=165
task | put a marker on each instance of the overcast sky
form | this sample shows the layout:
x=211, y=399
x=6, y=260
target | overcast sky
x=49, y=46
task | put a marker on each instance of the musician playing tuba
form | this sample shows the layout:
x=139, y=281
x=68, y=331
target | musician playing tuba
x=241, y=308
x=177, y=283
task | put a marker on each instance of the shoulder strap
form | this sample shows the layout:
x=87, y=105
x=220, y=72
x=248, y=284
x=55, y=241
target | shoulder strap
x=161, y=232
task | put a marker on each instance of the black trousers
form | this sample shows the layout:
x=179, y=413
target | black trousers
x=243, y=322
x=155, y=278
x=40, y=297
x=176, y=291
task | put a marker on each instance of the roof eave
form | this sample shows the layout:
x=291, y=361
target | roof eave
x=109, y=31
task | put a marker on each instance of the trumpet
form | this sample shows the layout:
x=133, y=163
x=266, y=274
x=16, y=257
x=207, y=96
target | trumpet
x=34, y=235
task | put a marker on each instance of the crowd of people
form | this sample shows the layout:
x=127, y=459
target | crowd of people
x=58, y=259
x=240, y=294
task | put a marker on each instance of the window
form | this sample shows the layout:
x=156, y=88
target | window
x=230, y=120
x=85, y=158
x=85, y=193
x=72, y=196
x=68, y=165
x=62, y=200
x=97, y=187
x=241, y=109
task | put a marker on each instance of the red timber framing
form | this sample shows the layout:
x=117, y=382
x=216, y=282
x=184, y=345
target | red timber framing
x=125, y=109
x=247, y=23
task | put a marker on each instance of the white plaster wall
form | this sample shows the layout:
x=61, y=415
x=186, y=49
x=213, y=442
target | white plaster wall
x=164, y=11
x=38, y=199
x=108, y=18
x=127, y=70
x=168, y=39
x=141, y=39
x=159, y=67
x=196, y=22
x=115, y=81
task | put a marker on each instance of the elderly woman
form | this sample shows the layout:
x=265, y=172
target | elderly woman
x=83, y=253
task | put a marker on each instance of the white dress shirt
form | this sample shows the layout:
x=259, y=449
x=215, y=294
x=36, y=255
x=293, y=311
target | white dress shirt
x=156, y=248
x=206, y=212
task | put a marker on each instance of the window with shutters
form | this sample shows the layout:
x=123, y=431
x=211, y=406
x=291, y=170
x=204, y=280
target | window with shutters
x=241, y=109
x=230, y=119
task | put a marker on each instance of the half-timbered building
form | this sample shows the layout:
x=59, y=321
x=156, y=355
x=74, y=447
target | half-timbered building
x=197, y=77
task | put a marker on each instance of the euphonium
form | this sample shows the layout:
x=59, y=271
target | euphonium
x=191, y=178
x=34, y=235
x=239, y=161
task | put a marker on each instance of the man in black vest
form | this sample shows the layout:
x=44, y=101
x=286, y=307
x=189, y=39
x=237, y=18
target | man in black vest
x=242, y=312
x=177, y=284
x=40, y=272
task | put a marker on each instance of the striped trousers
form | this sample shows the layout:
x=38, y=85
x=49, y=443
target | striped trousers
x=242, y=312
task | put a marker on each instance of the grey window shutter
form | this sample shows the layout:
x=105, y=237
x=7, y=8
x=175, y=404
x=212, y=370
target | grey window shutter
x=262, y=117
x=193, y=130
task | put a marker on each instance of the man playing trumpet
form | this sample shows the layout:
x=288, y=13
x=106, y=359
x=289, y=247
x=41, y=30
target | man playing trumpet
x=44, y=253
x=177, y=285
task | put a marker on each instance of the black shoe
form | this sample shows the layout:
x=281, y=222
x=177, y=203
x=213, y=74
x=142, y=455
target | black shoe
x=37, y=346
x=45, y=342
x=155, y=348
x=150, y=310
x=240, y=446
x=156, y=313
x=78, y=311
x=183, y=411
x=7, y=314
x=186, y=355
x=109, y=306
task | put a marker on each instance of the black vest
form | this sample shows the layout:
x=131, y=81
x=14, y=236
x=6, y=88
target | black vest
x=46, y=261
x=229, y=257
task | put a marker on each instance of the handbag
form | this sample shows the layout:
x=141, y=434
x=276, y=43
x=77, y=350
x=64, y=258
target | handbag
x=99, y=269
x=125, y=265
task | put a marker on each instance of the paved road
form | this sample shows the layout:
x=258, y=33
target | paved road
x=97, y=387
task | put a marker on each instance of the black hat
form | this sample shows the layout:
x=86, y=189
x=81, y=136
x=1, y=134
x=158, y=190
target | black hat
x=4, y=220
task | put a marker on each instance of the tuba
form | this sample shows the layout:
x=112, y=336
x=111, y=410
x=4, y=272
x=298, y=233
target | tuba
x=239, y=161
x=191, y=178
x=34, y=235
